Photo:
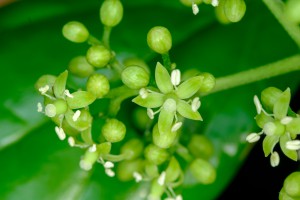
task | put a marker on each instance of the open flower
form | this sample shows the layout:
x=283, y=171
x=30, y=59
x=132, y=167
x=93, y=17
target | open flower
x=173, y=98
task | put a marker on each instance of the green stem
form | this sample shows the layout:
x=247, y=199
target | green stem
x=267, y=71
x=167, y=61
x=277, y=8
x=106, y=36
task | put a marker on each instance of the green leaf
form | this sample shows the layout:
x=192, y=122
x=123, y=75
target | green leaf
x=292, y=154
x=80, y=99
x=269, y=143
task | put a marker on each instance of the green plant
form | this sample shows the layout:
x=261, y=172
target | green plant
x=146, y=117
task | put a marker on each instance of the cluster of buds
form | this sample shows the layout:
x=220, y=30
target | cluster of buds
x=282, y=125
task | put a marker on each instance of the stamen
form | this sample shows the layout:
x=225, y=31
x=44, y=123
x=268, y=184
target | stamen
x=175, y=77
x=252, y=137
x=71, y=141
x=68, y=94
x=76, y=115
x=93, y=148
x=176, y=126
x=150, y=113
x=257, y=104
x=274, y=159
x=137, y=176
x=195, y=9
x=85, y=166
x=286, y=120
x=108, y=165
x=44, y=89
x=143, y=93
x=60, y=133
x=39, y=107
x=293, y=145
x=196, y=104
x=109, y=172
x=161, y=179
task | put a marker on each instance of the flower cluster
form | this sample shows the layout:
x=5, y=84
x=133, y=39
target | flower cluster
x=281, y=126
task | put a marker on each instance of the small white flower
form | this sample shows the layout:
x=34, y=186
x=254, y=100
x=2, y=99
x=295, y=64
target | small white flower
x=215, y=3
x=44, y=89
x=176, y=126
x=293, y=145
x=161, y=179
x=195, y=9
x=109, y=172
x=175, y=77
x=108, y=165
x=196, y=104
x=252, y=137
x=68, y=94
x=76, y=115
x=60, y=133
x=274, y=159
x=137, y=176
x=39, y=107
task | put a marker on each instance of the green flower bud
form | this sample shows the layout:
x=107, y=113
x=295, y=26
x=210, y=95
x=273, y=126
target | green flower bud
x=159, y=39
x=173, y=170
x=104, y=148
x=269, y=96
x=111, y=12
x=163, y=140
x=292, y=8
x=262, y=119
x=45, y=80
x=200, y=146
x=61, y=106
x=135, y=77
x=208, y=82
x=294, y=126
x=291, y=185
x=80, y=99
x=155, y=154
x=75, y=32
x=82, y=121
x=284, y=196
x=113, y=130
x=151, y=170
x=220, y=13
x=133, y=148
x=80, y=67
x=126, y=169
x=203, y=171
x=137, y=62
x=234, y=9
x=98, y=56
x=98, y=85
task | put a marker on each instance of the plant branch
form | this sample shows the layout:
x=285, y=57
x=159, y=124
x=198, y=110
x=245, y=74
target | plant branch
x=277, y=8
x=267, y=71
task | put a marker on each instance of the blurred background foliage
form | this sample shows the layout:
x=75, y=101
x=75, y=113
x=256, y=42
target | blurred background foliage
x=36, y=165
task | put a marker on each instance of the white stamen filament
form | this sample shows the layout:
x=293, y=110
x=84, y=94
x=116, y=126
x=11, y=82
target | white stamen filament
x=60, y=133
x=195, y=8
x=150, y=113
x=257, y=104
x=68, y=94
x=109, y=172
x=252, y=137
x=274, y=159
x=71, y=141
x=161, y=179
x=137, y=176
x=76, y=115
